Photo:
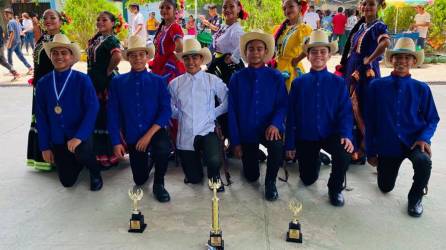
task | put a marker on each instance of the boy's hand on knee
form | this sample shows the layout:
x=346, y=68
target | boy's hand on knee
x=272, y=133
x=142, y=143
x=48, y=156
x=424, y=147
x=238, y=152
x=348, y=145
x=373, y=161
x=72, y=144
x=119, y=151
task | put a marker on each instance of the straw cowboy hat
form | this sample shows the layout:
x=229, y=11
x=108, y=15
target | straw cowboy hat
x=136, y=43
x=193, y=47
x=404, y=45
x=257, y=35
x=62, y=41
x=318, y=38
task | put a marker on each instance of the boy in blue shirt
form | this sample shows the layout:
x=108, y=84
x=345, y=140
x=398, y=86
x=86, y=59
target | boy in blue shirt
x=139, y=105
x=320, y=116
x=256, y=109
x=66, y=113
x=401, y=119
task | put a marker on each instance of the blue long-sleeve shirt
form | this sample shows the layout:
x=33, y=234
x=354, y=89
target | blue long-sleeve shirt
x=137, y=101
x=400, y=111
x=319, y=107
x=79, y=108
x=257, y=99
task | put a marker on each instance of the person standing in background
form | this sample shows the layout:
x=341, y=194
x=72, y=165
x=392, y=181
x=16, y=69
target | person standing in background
x=191, y=27
x=327, y=23
x=137, y=22
x=422, y=22
x=3, y=61
x=339, y=23
x=28, y=31
x=312, y=18
x=152, y=24
x=351, y=21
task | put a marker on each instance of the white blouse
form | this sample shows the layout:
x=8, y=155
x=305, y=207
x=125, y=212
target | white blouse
x=227, y=40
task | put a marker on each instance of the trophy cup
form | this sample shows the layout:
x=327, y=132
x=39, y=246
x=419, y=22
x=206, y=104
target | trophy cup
x=294, y=233
x=216, y=239
x=136, y=224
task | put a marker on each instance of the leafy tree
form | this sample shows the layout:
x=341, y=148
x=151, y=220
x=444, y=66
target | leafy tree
x=405, y=18
x=83, y=14
x=437, y=31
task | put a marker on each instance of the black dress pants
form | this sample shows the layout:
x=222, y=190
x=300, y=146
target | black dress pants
x=206, y=147
x=309, y=161
x=250, y=160
x=388, y=171
x=70, y=165
x=159, y=148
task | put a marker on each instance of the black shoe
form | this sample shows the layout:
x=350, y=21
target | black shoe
x=161, y=193
x=325, y=159
x=95, y=182
x=271, y=193
x=336, y=198
x=415, y=208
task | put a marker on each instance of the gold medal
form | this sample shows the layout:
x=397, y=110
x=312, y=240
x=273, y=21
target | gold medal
x=58, y=110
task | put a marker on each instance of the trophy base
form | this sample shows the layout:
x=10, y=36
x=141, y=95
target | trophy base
x=136, y=224
x=216, y=241
x=294, y=233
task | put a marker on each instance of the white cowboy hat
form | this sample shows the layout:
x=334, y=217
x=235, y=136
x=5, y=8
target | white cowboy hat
x=62, y=41
x=257, y=35
x=319, y=38
x=136, y=43
x=404, y=45
x=192, y=47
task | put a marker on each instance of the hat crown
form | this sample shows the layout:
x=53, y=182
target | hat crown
x=318, y=36
x=61, y=38
x=191, y=45
x=136, y=42
x=405, y=43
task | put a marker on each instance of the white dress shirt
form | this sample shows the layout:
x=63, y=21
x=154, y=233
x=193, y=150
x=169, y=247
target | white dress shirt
x=193, y=104
x=227, y=40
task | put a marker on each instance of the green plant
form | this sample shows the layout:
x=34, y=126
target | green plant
x=405, y=18
x=437, y=30
x=263, y=14
x=83, y=14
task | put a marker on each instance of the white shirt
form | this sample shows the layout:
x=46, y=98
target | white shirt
x=311, y=19
x=421, y=19
x=351, y=22
x=27, y=25
x=227, y=40
x=193, y=104
x=137, y=20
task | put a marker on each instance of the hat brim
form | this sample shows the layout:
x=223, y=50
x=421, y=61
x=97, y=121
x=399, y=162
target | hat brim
x=204, y=52
x=73, y=47
x=419, y=56
x=333, y=46
x=251, y=36
x=150, y=52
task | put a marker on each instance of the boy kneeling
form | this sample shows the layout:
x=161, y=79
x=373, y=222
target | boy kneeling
x=139, y=103
x=400, y=122
x=320, y=116
x=193, y=104
x=256, y=109
x=66, y=113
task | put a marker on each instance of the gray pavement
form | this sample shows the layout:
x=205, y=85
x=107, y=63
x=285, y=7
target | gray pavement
x=36, y=212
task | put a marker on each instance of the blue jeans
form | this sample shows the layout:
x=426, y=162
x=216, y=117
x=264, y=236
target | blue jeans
x=16, y=49
x=421, y=42
x=29, y=40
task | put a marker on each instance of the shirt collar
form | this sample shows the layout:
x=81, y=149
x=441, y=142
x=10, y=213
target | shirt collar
x=62, y=74
x=197, y=75
x=320, y=72
x=408, y=76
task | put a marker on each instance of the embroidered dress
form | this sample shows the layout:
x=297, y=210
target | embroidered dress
x=289, y=46
x=42, y=66
x=363, y=43
x=100, y=50
x=165, y=63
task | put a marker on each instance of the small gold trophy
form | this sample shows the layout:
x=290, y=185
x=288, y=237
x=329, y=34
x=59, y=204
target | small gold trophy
x=294, y=233
x=136, y=224
x=216, y=239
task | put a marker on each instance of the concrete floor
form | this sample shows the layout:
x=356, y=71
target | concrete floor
x=36, y=212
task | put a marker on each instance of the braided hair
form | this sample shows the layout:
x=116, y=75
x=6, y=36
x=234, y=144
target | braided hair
x=163, y=22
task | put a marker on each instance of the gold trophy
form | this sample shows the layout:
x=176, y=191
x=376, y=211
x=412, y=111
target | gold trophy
x=294, y=233
x=136, y=224
x=216, y=239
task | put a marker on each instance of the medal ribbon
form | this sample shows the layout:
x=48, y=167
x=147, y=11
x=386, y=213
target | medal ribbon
x=58, y=95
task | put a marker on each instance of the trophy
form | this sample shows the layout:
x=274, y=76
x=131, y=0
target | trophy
x=216, y=239
x=136, y=224
x=294, y=233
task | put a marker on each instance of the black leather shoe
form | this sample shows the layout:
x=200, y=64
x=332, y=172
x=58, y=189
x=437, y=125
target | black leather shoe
x=95, y=182
x=415, y=208
x=336, y=199
x=161, y=193
x=325, y=159
x=271, y=193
